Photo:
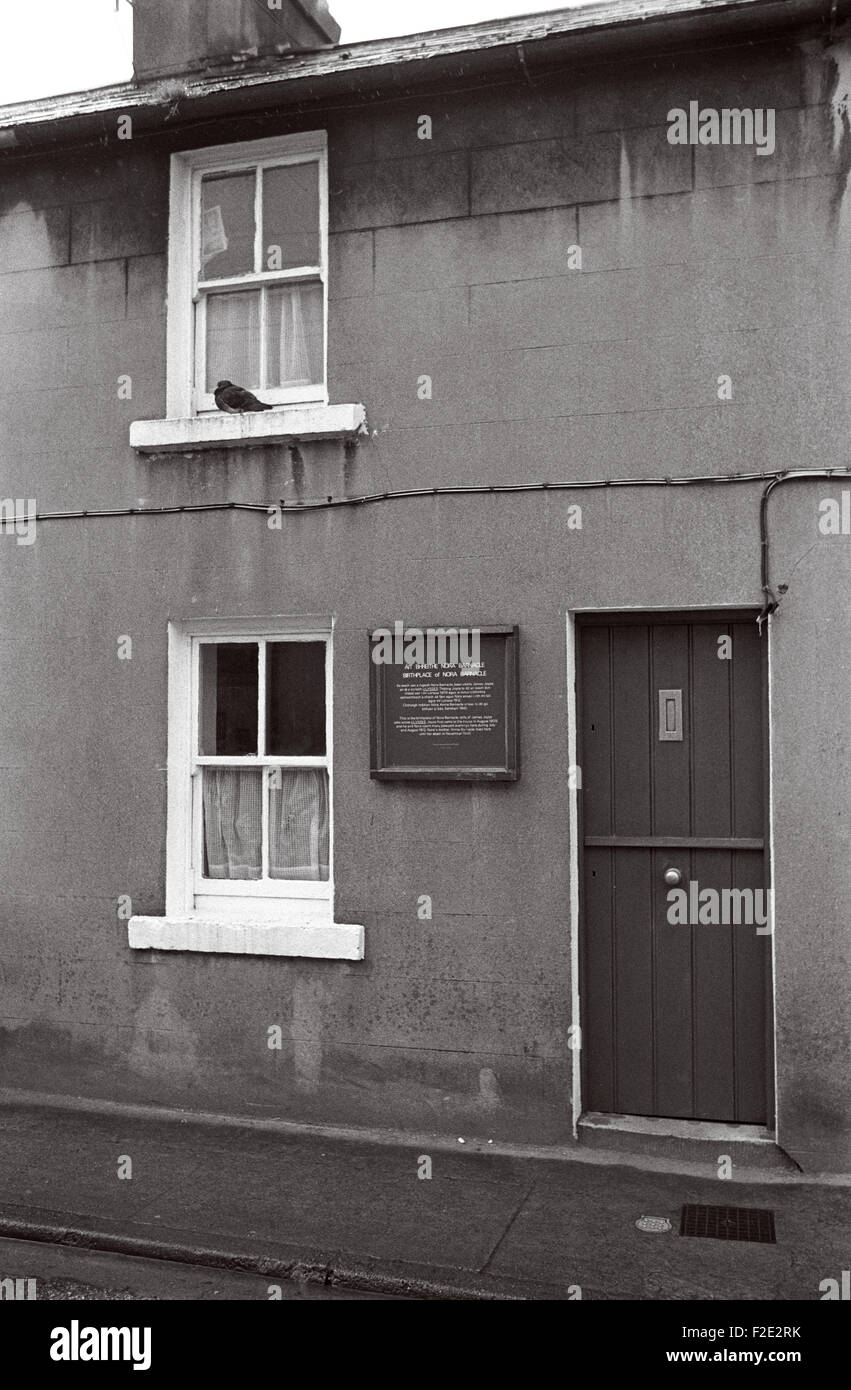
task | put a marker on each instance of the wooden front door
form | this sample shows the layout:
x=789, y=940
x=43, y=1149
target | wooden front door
x=676, y=1013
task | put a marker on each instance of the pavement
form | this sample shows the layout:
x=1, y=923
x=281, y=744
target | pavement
x=300, y=1208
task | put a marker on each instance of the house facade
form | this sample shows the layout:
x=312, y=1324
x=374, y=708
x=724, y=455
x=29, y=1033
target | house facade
x=551, y=314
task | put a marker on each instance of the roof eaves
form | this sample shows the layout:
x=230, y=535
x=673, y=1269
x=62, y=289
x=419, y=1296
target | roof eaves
x=358, y=59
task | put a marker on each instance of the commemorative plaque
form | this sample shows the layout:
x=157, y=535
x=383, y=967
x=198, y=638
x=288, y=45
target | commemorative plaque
x=444, y=704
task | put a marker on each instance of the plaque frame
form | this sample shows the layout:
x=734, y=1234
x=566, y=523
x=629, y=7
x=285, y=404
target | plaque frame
x=508, y=770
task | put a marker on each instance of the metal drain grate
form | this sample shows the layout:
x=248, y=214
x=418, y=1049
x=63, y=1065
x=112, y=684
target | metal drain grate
x=729, y=1223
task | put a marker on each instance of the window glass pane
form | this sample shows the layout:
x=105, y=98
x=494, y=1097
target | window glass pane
x=228, y=699
x=233, y=822
x=295, y=699
x=291, y=216
x=233, y=339
x=298, y=823
x=295, y=348
x=227, y=225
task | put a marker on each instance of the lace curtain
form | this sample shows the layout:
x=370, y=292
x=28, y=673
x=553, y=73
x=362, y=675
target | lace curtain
x=293, y=330
x=298, y=823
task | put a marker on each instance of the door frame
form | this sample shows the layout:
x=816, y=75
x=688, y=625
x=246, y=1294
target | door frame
x=641, y=614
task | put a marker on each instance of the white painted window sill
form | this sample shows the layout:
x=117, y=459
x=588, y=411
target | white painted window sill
x=318, y=938
x=282, y=425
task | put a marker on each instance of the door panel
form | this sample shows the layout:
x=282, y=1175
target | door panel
x=676, y=1017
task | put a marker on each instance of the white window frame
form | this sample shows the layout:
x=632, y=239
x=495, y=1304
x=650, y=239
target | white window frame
x=280, y=917
x=241, y=895
x=186, y=396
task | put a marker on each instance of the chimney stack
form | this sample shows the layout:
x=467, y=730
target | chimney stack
x=176, y=36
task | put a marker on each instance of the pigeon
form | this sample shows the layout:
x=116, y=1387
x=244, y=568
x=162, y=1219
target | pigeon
x=236, y=400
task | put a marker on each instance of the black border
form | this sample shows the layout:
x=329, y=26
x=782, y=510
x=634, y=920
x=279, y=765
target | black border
x=509, y=771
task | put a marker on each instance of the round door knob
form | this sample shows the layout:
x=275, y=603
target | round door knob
x=673, y=877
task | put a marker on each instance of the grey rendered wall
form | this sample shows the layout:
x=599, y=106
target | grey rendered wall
x=449, y=258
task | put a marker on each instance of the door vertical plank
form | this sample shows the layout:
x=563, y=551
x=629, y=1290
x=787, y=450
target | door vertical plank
x=598, y=971
x=669, y=669
x=633, y=724
x=596, y=726
x=633, y=923
x=713, y=1000
x=598, y=998
x=711, y=733
x=746, y=723
x=674, y=1090
x=671, y=767
x=752, y=961
x=634, y=982
x=714, y=1051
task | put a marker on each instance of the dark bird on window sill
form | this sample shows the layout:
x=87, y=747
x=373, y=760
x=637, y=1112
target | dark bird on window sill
x=236, y=400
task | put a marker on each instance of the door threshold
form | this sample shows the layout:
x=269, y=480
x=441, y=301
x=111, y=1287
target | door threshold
x=669, y=1128
x=749, y=1147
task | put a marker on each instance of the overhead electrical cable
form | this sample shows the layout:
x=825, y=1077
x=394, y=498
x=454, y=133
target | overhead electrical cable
x=288, y=508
